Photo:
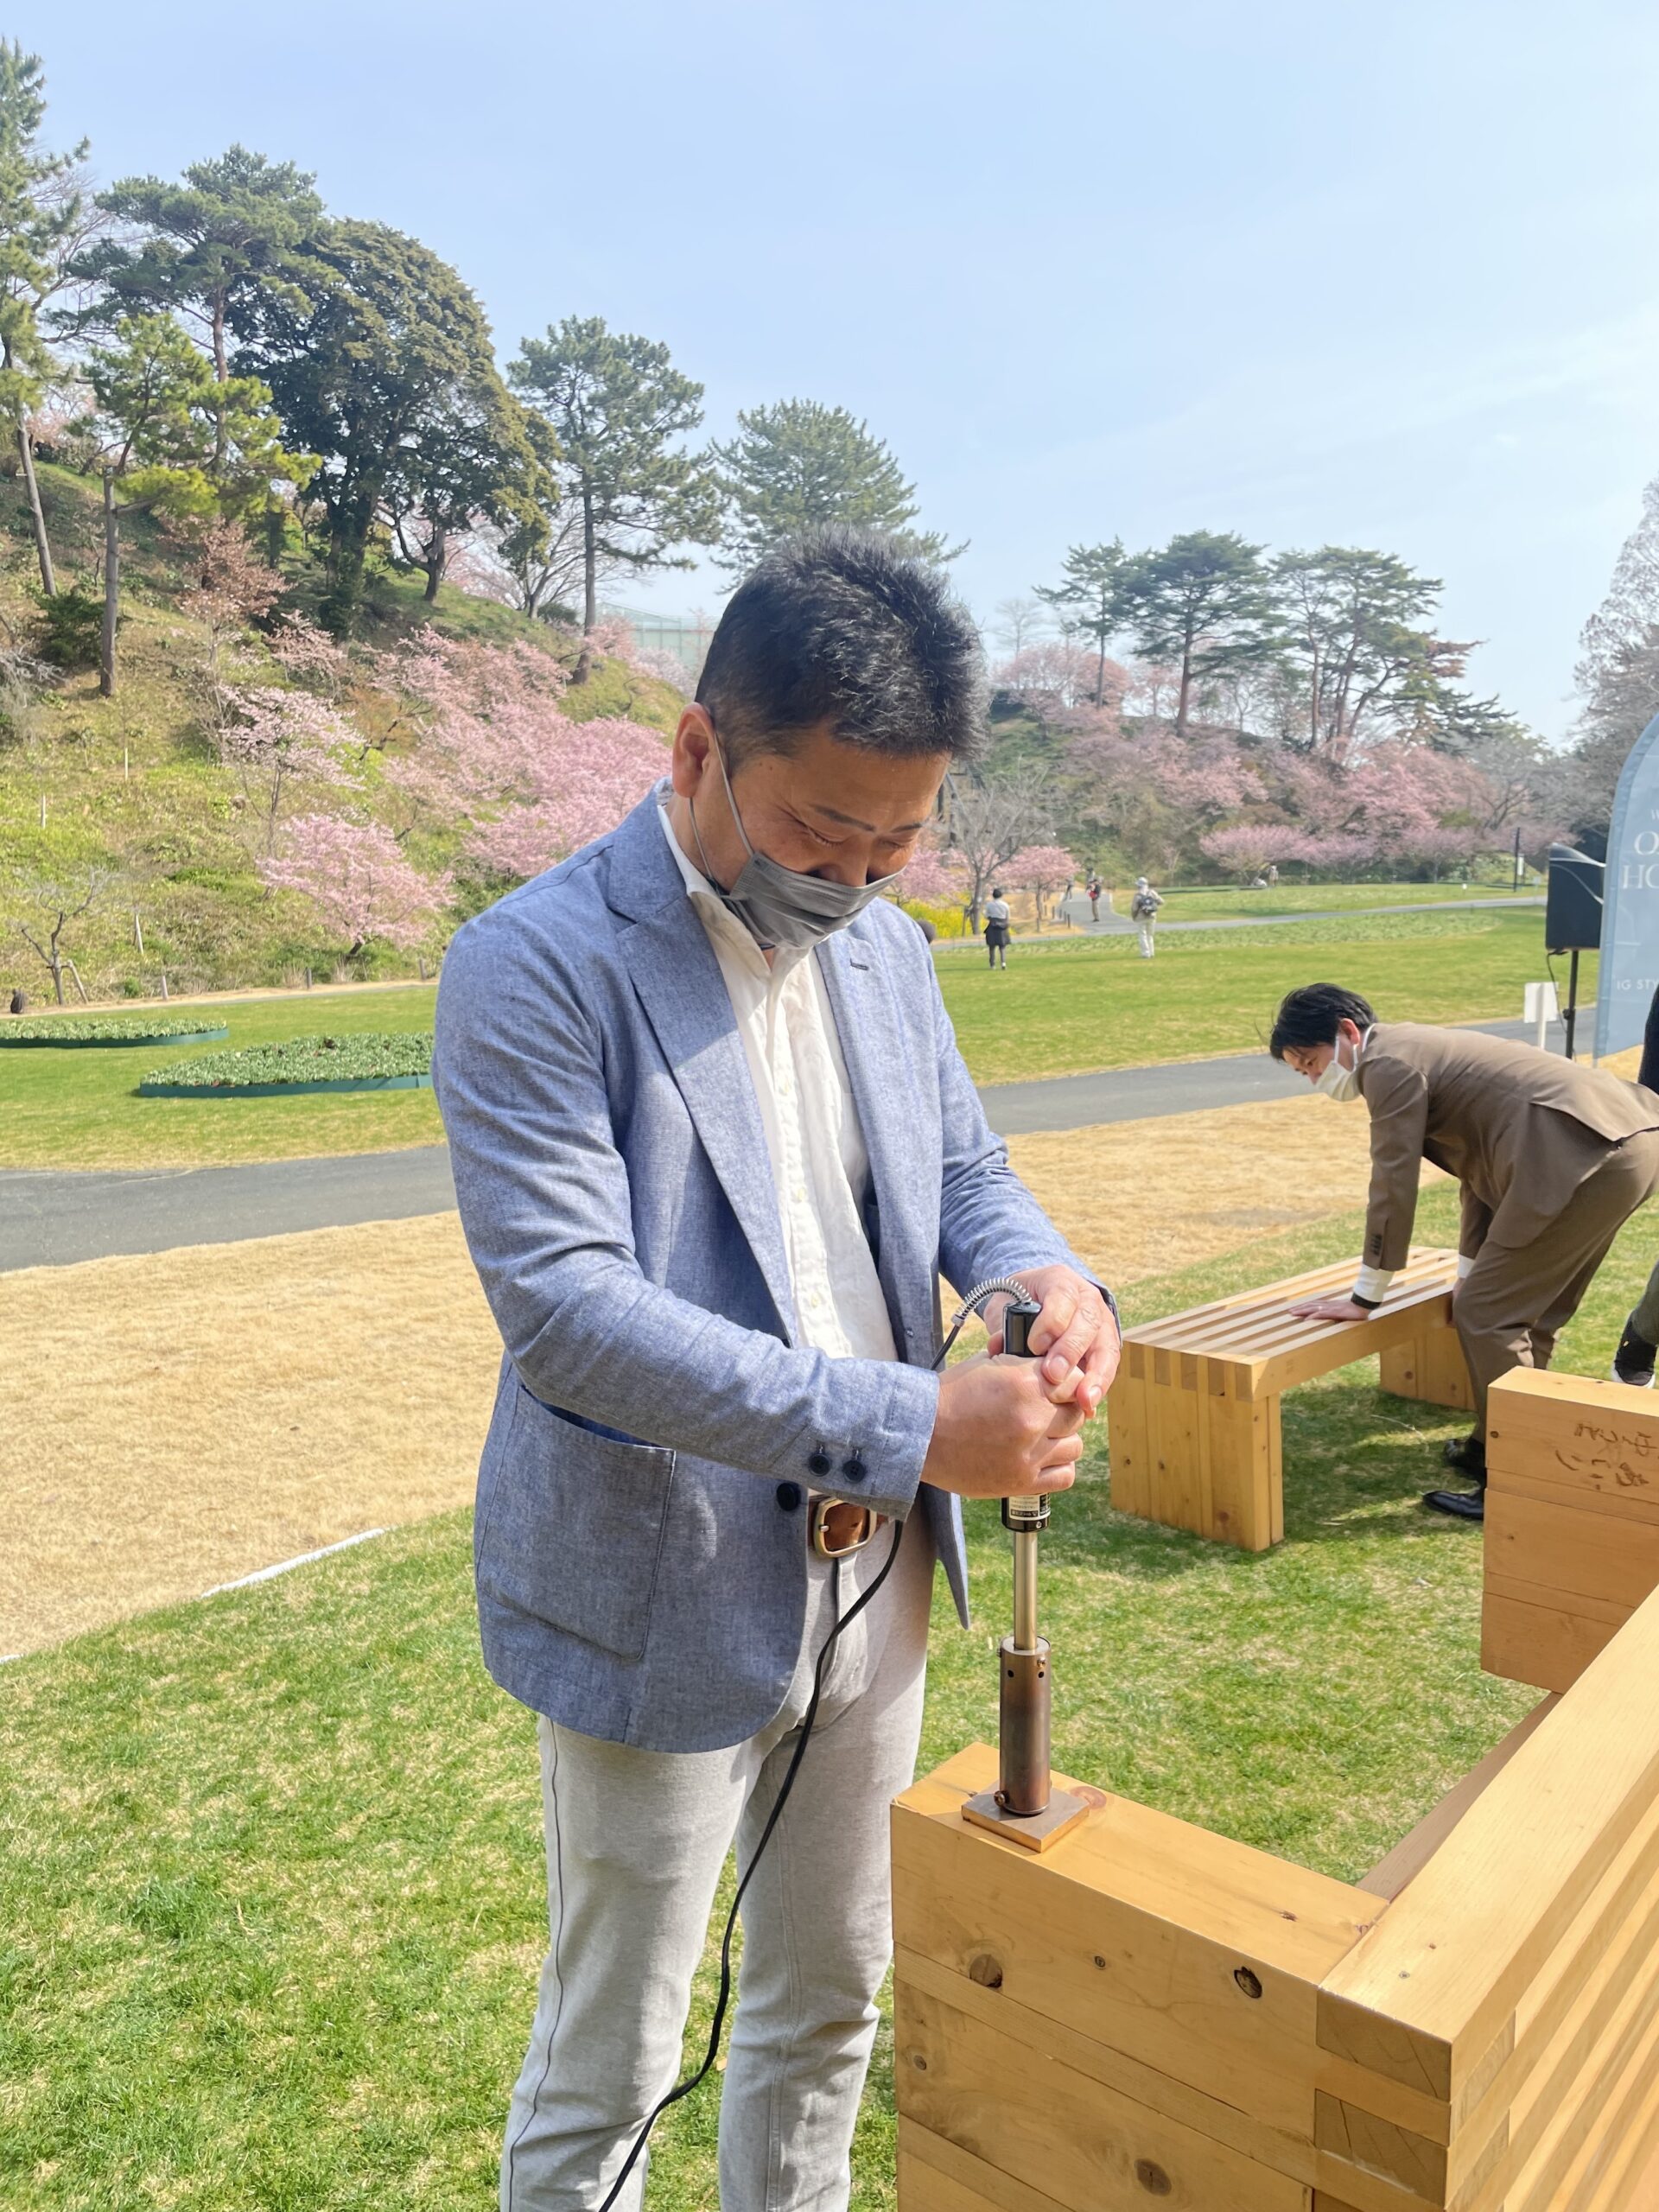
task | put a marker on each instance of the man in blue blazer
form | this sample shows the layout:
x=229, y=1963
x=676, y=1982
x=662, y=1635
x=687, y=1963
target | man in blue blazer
x=714, y=1146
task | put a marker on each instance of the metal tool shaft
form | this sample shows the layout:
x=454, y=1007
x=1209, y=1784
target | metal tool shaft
x=1025, y=1589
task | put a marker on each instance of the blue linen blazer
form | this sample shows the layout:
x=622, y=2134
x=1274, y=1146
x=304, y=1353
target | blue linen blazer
x=640, y=1553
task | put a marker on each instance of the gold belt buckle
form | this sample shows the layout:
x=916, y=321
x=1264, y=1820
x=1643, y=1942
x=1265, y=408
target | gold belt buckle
x=840, y=1526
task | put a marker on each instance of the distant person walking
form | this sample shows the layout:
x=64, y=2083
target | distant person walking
x=1093, y=889
x=996, y=930
x=1143, y=913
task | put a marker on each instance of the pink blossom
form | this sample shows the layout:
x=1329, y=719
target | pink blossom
x=491, y=747
x=358, y=877
x=1040, y=868
x=1249, y=846
x=931, y=876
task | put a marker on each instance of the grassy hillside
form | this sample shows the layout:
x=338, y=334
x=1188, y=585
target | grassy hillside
x=85, y=779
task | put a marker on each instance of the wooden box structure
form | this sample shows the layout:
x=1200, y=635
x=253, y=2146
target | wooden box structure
x=1149, y=2013
x=1194, y=1411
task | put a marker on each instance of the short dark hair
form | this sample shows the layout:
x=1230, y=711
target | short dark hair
x=841, y=626
x=996, y=891
x=1310, y=1016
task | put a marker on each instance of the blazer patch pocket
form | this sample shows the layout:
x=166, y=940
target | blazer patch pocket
x=576, y=1530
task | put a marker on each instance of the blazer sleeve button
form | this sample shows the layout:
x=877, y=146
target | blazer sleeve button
x=819, y=1463
x=790, y=1496
x=854, y=1469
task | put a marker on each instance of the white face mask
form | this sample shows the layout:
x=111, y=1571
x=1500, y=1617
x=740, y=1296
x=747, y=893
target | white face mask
x=1337, y=1081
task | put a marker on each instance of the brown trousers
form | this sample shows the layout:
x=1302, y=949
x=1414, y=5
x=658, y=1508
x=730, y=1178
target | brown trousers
x=1517, y=1298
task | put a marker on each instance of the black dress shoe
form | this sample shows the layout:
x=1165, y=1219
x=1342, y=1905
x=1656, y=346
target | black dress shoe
x=1462, y=1505
x=1468, y=1455
x=1634, y=1360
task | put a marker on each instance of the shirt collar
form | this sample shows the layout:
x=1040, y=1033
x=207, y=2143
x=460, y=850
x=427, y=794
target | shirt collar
x=716, y=915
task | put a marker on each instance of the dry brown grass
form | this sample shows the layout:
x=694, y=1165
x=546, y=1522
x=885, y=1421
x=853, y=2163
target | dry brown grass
x=201, y=1414
x=1141, y=1198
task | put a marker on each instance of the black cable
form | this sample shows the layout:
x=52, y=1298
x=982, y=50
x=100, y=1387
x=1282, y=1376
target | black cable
x=971, y=1304
x=838, y=1621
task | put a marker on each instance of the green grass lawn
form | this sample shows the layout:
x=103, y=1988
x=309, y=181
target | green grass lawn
x=270, y=1872
x=80, y=1110
x=1061, y=1007
x=1092, y=1002
x=1208, y=905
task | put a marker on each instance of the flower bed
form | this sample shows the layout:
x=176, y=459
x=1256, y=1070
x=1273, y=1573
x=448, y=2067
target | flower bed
x=302, y=1063
x=118, y=1029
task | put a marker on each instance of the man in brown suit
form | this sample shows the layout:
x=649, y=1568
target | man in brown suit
x=1554, y=1158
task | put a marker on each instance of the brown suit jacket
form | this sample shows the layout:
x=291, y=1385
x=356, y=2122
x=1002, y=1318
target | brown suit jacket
x=1518, y=1127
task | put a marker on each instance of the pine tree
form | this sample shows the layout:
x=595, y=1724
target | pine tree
x=42, y=211
x=618, y=409
x=798, y=466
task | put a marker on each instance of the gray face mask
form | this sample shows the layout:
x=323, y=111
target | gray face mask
x=778, y=905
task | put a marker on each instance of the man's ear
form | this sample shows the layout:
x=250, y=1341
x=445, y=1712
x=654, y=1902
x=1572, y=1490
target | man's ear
x=693, y=756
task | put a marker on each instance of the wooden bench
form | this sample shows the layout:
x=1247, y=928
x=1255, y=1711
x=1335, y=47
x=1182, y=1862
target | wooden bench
x=1194, y=1413
x=1151, y=2013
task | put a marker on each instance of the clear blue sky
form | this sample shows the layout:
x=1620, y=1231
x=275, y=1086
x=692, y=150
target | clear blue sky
x=1381, y=275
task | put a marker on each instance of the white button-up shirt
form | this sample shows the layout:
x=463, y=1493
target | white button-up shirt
x=820, y=1169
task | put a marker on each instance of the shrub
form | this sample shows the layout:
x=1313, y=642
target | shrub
x=70, y=629
x=369, y=1059
x=108, y=1029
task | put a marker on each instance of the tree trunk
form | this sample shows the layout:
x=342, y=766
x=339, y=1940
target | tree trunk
x=1100, y=673
x=1184, y=695
x=590, y=590
x=437, y=557
x=275, y=532
x=111, y=590
x=43, y=543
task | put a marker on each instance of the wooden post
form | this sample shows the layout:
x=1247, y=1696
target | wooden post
x=138, y=932
x=163, y=983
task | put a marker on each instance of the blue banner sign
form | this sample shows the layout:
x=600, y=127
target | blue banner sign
x=1629, y=916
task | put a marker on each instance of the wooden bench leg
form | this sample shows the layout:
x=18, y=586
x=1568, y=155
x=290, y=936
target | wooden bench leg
x=1188, y=1451
x=1430, y=1366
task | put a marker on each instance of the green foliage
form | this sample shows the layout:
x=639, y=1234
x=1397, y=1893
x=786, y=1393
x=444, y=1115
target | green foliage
x=105, y=1029
x=68, y=626
x=1355, y=626
x=1090, y=600
x=334, y=1058
x=797, y=465
x=232, y=228
x=40, y=214
x=372, y=365
x=616, y=408
x=1202, y=603
x=183, y=443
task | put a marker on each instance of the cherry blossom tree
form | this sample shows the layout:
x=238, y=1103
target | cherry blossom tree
x=359, y=879
x=1040, y=869
x=278, y=739
x=1248, y=848
x=594, y=774
x=933, y=877
x=491, y=747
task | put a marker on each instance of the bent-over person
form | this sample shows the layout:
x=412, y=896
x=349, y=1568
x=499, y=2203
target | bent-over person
x=1552, y=1156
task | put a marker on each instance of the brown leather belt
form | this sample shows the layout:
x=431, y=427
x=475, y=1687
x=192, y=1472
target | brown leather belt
x=837, y=1526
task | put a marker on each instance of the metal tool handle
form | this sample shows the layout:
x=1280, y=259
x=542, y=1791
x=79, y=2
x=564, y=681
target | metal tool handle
x=1029, y=1513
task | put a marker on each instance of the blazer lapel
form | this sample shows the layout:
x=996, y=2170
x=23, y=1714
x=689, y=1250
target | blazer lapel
x=877, y=1052
x=680, y=986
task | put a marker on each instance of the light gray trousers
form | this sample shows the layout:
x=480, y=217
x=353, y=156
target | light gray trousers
x=635, y=1844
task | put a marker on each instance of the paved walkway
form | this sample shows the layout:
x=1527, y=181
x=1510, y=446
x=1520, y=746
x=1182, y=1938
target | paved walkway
x=50, y=1217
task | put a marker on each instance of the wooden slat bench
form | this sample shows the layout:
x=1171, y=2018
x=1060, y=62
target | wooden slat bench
x=1150, y=2014
x=1194, y=1412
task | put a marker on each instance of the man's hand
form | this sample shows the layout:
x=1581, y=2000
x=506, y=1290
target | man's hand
x=1330, y=1309
x=1075, y=1338
x=999, y=1434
